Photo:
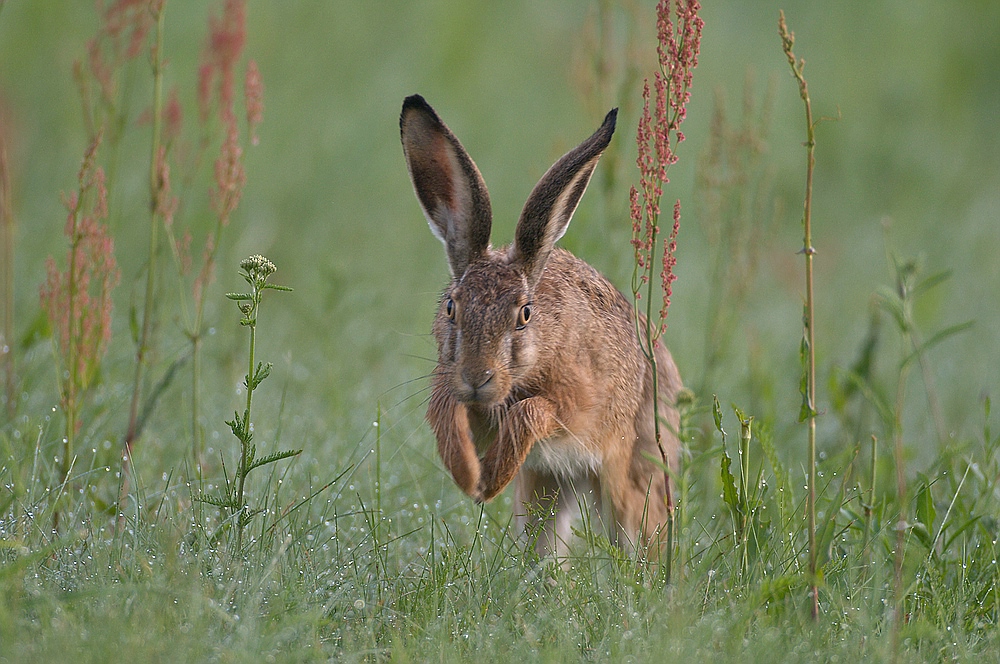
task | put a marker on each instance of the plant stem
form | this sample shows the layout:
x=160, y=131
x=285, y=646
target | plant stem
x=746, y=433
x=242, y=471
x=808, y=320
x=196, y=438
x=7, y=277
x=648, y=346
x=155, y=190
x=70, y=391
x=897, y=438
x=870, y=507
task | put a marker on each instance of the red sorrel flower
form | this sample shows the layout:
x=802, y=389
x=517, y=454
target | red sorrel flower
x=253, y=90
x=679, y=40
x=78, y=301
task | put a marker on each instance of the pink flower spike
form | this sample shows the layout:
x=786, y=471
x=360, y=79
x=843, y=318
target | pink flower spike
x=678, y=29
x=253, y=89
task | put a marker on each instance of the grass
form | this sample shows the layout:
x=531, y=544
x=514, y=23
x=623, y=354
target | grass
x=362, y=549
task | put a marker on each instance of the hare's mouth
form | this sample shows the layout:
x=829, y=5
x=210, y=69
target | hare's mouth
x=482, y=388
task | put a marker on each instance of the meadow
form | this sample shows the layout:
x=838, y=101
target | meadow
x=350, y=541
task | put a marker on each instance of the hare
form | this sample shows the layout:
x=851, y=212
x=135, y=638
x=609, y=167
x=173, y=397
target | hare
x=540, y=377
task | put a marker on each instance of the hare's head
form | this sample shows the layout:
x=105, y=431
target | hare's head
x=490, y=334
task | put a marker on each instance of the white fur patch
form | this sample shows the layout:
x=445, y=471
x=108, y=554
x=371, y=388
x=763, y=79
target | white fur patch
x=566, y=456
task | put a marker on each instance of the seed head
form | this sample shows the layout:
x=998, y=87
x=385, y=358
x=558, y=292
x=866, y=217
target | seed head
x=259, y=266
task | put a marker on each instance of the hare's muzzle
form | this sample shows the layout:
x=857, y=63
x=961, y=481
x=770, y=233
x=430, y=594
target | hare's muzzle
x=478, y=387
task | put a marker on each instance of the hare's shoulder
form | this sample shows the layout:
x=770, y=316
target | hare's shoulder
x=573, y=278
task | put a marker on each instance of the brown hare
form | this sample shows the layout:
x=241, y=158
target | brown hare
x=540, y=377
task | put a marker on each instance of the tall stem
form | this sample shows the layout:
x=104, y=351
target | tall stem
x=7, y=278
x=809, y=252
x=245, y=439
x=72, y=346
x=897, y=436
x=196, y=438
x=808, y=319
x=154, y=192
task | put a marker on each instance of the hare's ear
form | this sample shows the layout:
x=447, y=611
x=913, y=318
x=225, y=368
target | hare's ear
x=449, y=187
x=550, y=206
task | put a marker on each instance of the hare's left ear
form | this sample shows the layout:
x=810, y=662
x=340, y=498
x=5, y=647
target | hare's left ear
x=549, y=208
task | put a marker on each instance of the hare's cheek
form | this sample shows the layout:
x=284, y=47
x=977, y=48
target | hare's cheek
x=451, y=346
x=523, y=354
x=447, y=343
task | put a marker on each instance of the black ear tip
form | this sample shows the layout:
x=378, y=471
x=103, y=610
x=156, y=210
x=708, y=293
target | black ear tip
x=610, y=119
x=415, y=101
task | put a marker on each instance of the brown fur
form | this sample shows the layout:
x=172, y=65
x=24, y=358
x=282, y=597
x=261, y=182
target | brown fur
x=561, y=404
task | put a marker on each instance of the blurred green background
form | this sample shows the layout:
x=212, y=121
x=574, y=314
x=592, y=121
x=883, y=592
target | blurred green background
x=915, y=86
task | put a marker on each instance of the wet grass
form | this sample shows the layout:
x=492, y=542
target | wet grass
x=362, y=548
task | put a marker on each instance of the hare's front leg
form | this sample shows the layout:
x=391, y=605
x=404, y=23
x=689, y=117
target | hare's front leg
x=450, y=422
x=524, y=423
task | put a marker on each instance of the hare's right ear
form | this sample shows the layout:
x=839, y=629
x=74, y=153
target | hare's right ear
x=449, y=187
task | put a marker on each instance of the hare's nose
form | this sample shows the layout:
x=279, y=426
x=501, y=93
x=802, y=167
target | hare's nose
x=478, y=379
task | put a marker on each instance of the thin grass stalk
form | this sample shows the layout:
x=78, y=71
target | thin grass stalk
x=155, y=191
x=897, y=567
x=746, y=433
x=898, y=460
x=809, y=407
x=869, y=508
x=70, y=391
x=7, y=276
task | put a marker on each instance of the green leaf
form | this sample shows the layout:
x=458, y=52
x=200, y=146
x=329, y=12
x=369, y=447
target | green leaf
x=277, y=288
x=717, y=414
x=133, y=323
x=926, y=513
x=936, y=339
x=781, y=475
x=931, y=281
x=806, y=411
x=779, y=588
x=729, y=493
x=922, y=534
x=961, y=529
x=239, y=427
x=271, y=458
x=987, y=435
x=239, y=296
x=218, y=501
x=877, y=400
x=263, y=371
x=890, y=302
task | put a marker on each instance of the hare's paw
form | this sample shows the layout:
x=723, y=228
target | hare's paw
x=525, y=423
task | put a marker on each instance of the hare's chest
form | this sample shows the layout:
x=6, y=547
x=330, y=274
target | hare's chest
x=564, y=455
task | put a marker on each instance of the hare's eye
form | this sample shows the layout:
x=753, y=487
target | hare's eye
x=523, y=316
x=449, y=309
